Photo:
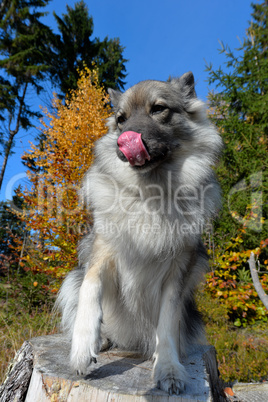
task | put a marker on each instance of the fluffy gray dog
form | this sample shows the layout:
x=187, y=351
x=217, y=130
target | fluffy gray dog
x=152, y=191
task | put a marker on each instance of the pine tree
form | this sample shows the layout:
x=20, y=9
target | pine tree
x=10, y=226
x=239, y=109
x=110, y=62
x=74, y=49
x=24, y=60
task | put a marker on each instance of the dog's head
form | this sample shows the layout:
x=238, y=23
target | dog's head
x=151, y=120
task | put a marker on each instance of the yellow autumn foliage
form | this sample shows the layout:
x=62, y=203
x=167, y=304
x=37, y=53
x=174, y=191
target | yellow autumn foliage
x=54, y=217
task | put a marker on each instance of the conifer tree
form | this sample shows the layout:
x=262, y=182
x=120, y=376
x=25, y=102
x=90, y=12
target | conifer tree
x=239, y=109
x=75, y=48
x=10, y=226
x=24, y=60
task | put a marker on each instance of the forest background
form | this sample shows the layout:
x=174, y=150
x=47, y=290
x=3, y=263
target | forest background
x=40, y=228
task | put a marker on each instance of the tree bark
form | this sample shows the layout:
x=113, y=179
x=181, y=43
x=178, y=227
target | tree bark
x=18, y=377
x=256, y=282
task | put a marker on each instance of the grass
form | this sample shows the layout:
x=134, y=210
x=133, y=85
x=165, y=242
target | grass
x=26, y=312
x=242, y=353
x=17, y=327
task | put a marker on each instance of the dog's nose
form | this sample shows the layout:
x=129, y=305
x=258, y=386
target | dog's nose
x=131, y=145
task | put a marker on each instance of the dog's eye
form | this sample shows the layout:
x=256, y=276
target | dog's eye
x=156, y=109
x=121, y=119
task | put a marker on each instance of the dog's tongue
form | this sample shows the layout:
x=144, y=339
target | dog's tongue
x=130, y=143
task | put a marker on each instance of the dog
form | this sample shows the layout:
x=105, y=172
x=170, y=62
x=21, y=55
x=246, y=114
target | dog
x=151, y=190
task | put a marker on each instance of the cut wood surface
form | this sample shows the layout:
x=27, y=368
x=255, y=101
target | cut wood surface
x=117, y=376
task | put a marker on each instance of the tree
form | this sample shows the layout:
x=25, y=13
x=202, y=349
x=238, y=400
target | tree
x=12, y=232
x=239, y=109
x=54, y=218
x=110, y=63
x=74, y=49
x=10, y=225
x=25, y=58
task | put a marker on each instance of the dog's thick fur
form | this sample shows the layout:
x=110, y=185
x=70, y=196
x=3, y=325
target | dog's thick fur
x=141, y=262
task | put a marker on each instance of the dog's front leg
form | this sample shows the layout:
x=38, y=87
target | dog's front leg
x=86, y=340
x=169, y=374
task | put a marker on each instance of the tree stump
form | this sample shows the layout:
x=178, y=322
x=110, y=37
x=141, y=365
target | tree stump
x=40, y=372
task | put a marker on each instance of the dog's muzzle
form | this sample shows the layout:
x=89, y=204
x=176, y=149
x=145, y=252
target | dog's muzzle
x=131, y=145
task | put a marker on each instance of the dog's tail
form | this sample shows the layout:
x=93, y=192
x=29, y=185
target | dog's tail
x=67, y=300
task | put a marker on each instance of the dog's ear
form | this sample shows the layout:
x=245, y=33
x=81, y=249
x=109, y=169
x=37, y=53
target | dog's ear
x=186, y=84
x=114, y=96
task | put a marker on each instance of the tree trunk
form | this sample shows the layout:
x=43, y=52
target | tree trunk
x=18, y=377
x=7, y=152
x=12, y=134
x=117, y=376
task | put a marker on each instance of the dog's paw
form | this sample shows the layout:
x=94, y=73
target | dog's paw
x=171, y=385
x=82, y=371
x=83, y=353
x=171, y=378
x=80, y=363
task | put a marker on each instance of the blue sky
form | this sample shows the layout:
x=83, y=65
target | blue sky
x=161, y=39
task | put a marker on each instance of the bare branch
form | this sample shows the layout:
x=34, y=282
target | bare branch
x=256, y=282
